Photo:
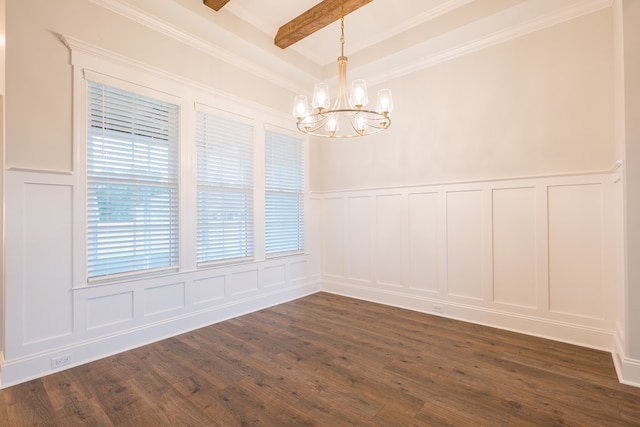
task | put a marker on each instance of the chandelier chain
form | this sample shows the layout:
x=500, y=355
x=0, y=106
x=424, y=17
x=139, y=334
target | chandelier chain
x=342, y=27
x=342, y=35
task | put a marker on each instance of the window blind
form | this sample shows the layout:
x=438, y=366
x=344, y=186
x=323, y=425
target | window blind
x=225, y=189
x=132, y=182
x=284, y=193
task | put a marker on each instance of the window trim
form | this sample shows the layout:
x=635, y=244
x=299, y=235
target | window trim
x=304, y=192
x=158, y=96
x=216, y=112
x=90, y=62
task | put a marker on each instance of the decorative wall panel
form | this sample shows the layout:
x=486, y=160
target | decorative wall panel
x=274, y=276
x=514, y=246
x=297, y=270
x=334, y=238
x=243, y=282
x=161, y=299
x=464, y=244
x=389, y=244
x=423, y=241
x=575, y=250
x=109, y=310
x=208, y=289
x=358, y=231
x=47, y=233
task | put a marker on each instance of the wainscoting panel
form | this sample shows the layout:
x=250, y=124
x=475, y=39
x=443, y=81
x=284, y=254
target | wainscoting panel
x=423, y=252
x=243, y=282
x=274, y=276
x=464, y=244
x=514, y=247
x=575, y=250
x=297, y=271
x=333, y=255
x=360, y=211
x=46, y=225
x=109, y=310
x=523, y=254
x=208, y=289
x=389, y=247
x=164, y=299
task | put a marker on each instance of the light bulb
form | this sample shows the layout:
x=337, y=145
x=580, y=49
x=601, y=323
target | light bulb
x=300, y=107
x=358, y=97
x=361, y=123
x=385, y=102
x=332, y=125
x=321, y=99
x=307, y=122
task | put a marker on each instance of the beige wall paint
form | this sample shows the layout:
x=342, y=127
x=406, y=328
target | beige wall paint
x=39, y=74
x=2, y=178
x=631, y=31
x=539, y=104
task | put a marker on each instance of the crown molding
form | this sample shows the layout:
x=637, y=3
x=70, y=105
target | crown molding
x=374, y=37
x=269, y=66
x=435, y=52
x=531, y=16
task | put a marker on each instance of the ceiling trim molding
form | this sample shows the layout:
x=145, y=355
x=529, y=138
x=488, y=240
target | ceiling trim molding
x=96, y=60
x=276, y=70
x=428, y=59
x=270, y=68
x=427, y=16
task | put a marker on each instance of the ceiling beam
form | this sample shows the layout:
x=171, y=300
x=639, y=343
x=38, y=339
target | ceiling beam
x=319, y=16
x=215, y=4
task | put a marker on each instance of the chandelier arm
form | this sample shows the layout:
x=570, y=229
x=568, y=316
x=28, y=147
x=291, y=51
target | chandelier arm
x=372, y=122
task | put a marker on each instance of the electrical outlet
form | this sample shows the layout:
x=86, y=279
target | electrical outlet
x=60, y=361
x=437, y=308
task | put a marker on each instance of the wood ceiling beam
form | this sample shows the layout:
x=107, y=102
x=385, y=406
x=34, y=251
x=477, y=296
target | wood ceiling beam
x=215, y=4
x=319, y=16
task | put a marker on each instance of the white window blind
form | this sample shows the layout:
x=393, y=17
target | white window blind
x=132, y=183
x=225, y=189
x=284, y=194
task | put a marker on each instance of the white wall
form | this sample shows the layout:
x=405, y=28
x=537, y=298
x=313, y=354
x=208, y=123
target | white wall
x=532, y=255
x=2, y=127
x=632, y=158
x=538, y=104
x=628, y=142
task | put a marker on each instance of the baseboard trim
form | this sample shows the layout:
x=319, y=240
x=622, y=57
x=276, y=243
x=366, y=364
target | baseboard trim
x=22, y=369
x=544, y=328
x=627, y=369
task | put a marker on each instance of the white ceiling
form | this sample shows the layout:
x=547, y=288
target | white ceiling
x=384, y=39
x=366, y=27
x=404, y=21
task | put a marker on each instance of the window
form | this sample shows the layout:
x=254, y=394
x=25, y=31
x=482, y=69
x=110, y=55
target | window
x=132, y=183
x=284, y=194
x=225, y=189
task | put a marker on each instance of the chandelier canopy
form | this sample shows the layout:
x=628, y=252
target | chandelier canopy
x=347, y=117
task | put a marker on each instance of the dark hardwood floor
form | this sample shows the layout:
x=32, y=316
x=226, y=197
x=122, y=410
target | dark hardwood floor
x=326, y=360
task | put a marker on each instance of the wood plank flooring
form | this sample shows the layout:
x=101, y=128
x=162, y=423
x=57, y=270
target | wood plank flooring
x=327, y=360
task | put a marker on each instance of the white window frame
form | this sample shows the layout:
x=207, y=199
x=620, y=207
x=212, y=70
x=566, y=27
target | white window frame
x=135, y=153
x=300, y=192
x=93, y=63
x=247, y=188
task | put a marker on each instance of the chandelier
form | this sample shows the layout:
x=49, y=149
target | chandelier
x=347, y=117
